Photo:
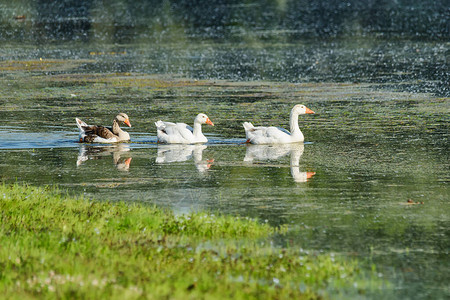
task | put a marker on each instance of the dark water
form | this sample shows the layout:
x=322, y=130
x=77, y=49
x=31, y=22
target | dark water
x=401, y=44
x=371, y=180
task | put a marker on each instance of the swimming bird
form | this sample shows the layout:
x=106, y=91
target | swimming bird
x=277, y=135
x=181, y=133
x=101, y=134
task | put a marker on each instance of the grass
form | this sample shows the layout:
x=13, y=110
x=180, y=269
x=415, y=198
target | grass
x=57, y=246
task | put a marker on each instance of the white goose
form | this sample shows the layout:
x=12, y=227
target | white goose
x=180, y=133
x=277, y=135
x=101, y=134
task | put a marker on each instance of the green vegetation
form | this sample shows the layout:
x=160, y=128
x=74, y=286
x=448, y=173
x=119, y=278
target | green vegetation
x=56, y=246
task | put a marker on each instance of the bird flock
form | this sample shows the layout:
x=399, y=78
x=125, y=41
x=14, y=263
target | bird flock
x=181, y=133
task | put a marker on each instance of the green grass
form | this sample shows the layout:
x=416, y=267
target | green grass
x=56, y=246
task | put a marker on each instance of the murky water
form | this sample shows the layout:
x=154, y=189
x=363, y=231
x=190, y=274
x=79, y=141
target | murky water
x=370, y=181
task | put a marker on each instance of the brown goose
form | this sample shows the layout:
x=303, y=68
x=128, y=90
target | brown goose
x=101, y=134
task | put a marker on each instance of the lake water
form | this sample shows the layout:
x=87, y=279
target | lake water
x=367, y=152
x=370, y=181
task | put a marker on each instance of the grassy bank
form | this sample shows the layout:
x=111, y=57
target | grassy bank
x=56, y=246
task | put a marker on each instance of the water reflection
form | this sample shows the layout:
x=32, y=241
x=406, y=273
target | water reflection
x=87, y=152
x=276, y=152
x=179, y=153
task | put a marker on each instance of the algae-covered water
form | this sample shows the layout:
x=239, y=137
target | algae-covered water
x=370, y=181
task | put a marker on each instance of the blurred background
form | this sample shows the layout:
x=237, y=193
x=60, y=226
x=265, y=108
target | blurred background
x=124, y=21
x=277, y=40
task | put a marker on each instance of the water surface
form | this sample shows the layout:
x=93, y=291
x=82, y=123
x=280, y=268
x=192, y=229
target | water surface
x=370, y=181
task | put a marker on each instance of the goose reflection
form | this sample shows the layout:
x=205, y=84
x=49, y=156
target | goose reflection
x=88, y=152
x=275, y=152
x=181, y=152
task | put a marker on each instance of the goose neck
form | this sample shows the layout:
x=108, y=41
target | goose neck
x=122, y=135
x=197, y=128
x=115, y=127
x=293, y=122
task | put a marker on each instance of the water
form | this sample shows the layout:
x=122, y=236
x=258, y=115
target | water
x=367, y=153
x=370, y=181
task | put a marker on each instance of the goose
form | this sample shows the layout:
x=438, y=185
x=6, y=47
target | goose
x=180, y=133
x=101, y=134
x=277, y=135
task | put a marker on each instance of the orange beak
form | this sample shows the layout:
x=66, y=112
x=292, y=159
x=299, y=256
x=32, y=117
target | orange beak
x=127, y=121
x=208, y=121
x=128, y=161
x=310, y=174
x=308, y=111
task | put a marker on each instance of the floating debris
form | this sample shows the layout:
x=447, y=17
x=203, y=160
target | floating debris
x=412, y=202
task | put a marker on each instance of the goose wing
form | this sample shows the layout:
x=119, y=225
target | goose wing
x=283, y=130
x=185, y=131
x=174, y=132
x=95, y=134
x=268, y=135
x=100, y=131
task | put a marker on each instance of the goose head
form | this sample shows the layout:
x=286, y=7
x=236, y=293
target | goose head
x=203, y=119
x=300, y=109
x=123, y=118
